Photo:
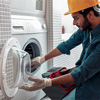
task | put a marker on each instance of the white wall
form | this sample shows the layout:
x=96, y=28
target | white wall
x=67, y=20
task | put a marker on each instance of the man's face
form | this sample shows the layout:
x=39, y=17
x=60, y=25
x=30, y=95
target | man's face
x=81, y=22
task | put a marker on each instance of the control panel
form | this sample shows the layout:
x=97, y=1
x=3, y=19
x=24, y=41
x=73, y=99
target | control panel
x=28, y=7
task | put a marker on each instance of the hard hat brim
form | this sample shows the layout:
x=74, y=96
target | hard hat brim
x=67, y=13
x=84, y=4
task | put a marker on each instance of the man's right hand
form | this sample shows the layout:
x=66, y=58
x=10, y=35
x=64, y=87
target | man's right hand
x=38, y=83
x=36, y=62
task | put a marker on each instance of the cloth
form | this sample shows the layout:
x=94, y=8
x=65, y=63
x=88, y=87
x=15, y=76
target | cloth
x=87, y=72
x=58, y=92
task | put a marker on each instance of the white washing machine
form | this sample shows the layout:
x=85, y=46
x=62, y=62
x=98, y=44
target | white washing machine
x=32, y=35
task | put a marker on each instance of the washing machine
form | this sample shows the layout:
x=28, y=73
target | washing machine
x=31, y=33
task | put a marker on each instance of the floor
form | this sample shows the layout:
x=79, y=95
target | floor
x=46, y=98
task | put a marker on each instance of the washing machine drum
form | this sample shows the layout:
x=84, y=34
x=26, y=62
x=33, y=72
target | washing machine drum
x=15, y=66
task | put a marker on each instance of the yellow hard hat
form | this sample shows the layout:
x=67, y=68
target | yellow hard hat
x=78, y=5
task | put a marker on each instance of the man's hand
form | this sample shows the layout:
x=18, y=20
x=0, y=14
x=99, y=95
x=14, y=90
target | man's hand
x=36, y=62
x=39, y=83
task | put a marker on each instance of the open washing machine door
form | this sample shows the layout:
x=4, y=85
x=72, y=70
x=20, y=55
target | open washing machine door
x=15, y=66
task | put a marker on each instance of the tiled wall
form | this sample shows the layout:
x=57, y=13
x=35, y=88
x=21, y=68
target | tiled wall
x=54, y=23
x=5, y=29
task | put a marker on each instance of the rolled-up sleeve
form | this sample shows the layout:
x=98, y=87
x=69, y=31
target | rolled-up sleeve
x=72, y=42
x=89, y=67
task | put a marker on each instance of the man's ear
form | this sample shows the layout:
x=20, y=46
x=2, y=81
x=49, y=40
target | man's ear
x=90, y=15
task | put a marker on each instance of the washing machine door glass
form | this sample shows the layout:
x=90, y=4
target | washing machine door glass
x=22, y=66
x=25, y=66
x=15, y=65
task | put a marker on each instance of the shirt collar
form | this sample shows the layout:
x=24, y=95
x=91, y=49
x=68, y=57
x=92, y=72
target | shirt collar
x=96, y=31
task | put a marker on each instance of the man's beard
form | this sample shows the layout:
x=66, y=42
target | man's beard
x=86, y=24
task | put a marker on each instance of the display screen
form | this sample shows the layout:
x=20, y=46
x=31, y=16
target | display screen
x=39, y=5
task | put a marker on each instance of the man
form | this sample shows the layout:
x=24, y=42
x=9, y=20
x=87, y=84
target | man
x=86, y=16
